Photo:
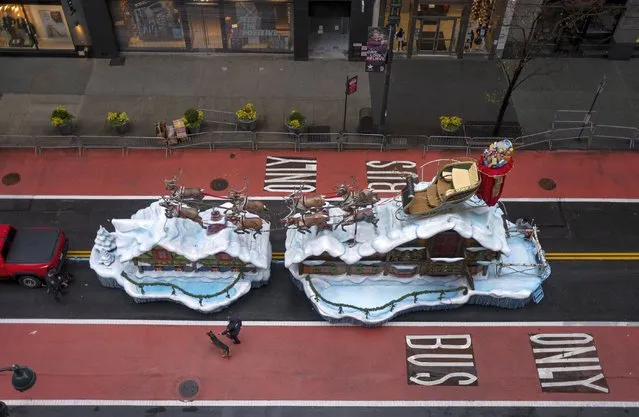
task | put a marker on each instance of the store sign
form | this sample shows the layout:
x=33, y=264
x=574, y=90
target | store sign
x=71, y=7
x=351, y=85
x=376, y=49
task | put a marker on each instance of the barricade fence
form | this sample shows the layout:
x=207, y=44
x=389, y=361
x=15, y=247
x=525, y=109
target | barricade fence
x=595, y=137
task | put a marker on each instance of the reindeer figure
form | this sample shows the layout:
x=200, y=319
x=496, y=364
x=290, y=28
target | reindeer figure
x=362, y=198
x=241, y=202
x=304, y=223
x=245, y=224
x=180, y=192
x=354, y=216
x=298, y=202
x=181, y=211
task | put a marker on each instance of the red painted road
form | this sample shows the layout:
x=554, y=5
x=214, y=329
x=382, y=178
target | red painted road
x=577, y=174
x=109, y=362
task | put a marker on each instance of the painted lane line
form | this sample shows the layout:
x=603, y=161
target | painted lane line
x=421, y=324
x=349, y=404
x=281, y=198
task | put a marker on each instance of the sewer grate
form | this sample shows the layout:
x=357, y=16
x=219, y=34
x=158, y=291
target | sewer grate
x=11, y=179
x=547, y=184
x=188, y=388
x=219, y=184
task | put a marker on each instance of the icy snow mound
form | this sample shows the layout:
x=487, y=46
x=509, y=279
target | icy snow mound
x=149, y=227
x=472, y=220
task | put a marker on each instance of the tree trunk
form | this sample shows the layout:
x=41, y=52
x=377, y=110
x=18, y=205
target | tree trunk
x=506, y=100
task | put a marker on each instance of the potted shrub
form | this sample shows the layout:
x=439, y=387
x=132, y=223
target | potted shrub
x=450, y=124
x=62, y=120
x=193, y=120
x=247, y=117
x=295, y=122
x=119, y=120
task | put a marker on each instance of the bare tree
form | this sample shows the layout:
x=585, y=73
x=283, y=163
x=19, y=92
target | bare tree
x=537, y=28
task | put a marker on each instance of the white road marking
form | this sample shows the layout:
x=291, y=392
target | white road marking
x=108, y=322
x=280, y=403
x=280, y=198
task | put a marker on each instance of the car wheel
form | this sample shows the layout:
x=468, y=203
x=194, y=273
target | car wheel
x=29, y=281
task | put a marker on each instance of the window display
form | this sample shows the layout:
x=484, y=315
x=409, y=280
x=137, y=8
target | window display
x=34, y=26
x=147, y=24
x=16, y=31
x=259, y=25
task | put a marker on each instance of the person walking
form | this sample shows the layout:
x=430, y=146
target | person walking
x=54, y=285
x=233, y=330
x=400, y=39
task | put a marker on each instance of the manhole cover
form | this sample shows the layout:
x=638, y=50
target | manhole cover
x=188, y=388
x=219, y=184
x=547, y=184
x=11, y=179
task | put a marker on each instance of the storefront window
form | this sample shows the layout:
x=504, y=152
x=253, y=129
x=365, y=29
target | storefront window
x=147, y=24
x=205, y=25
x=259, y=25
x=34, y=26
x=16, y=31
x=479, y=36
x=436, y=28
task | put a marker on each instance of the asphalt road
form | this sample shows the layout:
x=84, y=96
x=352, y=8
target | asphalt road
x=565, y=227
x=576, y=290
x=319, y=412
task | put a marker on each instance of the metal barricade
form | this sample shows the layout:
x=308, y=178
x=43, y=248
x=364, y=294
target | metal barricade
x=447, y=142
x=361, y=140
x=482, y=142
x=565, y=119
x=610, y=137
x=221, y=120
x=57, y=142
x=103, y=142
x=405, y=142
x=196, y=141
x=18, y=141
x=239, y=139
x=570, y=138
x=537, y=140
x=276, y=140
x=319, y=141
x=147, y=142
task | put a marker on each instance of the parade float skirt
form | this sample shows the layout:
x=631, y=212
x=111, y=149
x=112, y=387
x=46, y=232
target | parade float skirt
x=492, y=181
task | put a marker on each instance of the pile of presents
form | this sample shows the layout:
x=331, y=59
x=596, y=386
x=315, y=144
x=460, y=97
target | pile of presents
x=171, y=134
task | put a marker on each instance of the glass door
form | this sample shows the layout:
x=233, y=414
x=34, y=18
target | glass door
x=205, y=25
x=435, y=35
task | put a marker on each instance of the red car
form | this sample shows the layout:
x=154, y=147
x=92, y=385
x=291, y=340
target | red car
x=26, y=255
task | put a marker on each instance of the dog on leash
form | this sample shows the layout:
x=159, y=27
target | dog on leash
x=224, y=349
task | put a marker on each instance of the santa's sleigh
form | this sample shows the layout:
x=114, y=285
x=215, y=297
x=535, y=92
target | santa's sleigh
x=455, y=182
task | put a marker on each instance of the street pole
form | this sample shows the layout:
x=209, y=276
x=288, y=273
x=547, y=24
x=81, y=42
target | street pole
x=600, y=88
x=389, y=58
x=345, y=105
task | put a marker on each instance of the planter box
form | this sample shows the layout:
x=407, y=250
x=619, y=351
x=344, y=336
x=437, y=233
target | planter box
x=247, y=125
x=123, y=128
x=194, y=130
x=451, y=129
x=65, y=130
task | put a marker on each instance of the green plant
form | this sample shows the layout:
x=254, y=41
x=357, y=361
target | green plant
x=117, y=118
x=193, y=118
x=295, y=119
x=60, y=116
x=247, y=113
x=450, y=122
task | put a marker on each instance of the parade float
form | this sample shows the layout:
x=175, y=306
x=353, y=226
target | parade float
x=439, y=244
x=185, y=249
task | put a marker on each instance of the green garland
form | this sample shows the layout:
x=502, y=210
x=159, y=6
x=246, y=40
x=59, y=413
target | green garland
x=176, y=287
x=317, y=296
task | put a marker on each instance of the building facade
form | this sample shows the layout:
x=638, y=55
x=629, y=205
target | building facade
x=305, y=29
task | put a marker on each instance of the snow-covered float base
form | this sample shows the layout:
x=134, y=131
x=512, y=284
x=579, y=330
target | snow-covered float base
x=197, y=283
x=206, y=292
x=513, y=288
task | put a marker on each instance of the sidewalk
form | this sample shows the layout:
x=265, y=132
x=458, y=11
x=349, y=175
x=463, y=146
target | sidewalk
x=161, y=87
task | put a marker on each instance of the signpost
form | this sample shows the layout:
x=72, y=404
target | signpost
x=351, y=88
x=393, y=20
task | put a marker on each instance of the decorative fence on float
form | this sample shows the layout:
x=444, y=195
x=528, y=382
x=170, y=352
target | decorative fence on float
x=389, y=305
x=200, y=297
x=596, y=137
